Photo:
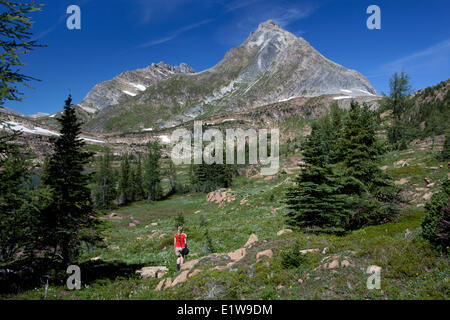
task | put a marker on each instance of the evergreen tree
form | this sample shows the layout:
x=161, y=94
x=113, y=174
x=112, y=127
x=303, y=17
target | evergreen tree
x=359, y=148
x=317, y=203
x=209, y=177
x=436, y=224
x=70, y=219
x=399, y=102
x=152, y=176
x=444, y=155
x=125, y=187
x=105, y=182
x=172, y=174
x=209, y=247
x=15, y=36
x=20, y=203
x=139, y=181
x=359, y=151
x=342, y=187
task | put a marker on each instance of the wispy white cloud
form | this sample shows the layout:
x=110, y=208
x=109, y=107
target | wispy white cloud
x=175, y=34
x=435, y=56
x=252, y=13
x=146, y=11
x=431, y=53
x=239, y=4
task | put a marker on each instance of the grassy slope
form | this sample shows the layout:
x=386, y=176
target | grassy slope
x=411, y=269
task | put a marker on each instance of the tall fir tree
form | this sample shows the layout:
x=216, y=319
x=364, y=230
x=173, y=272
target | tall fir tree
x=359, y=148
x=125, y=187
x=316, y=202
x=152, y=176
x=105, y=191
x=209, y=177
x=139, y=180
x=15, y=35
x=399, y=102
x=20, y=203
x=172, y=174
x=70, y=219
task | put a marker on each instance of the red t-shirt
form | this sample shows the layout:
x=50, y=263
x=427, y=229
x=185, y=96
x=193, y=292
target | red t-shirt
x=180, y=243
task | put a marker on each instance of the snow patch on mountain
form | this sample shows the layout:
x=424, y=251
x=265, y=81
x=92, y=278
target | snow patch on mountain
x=36, y=130
x=139, y=86
x=129, y=93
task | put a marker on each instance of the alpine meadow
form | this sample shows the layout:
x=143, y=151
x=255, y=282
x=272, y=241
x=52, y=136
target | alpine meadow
x=271, y=173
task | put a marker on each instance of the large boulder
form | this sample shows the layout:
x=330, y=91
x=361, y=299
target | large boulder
x=401, y=181
x=238, y=254
x=182, y=277
x=252, y=239
x=266, y=253
x=152, y=272
x=281, y=232
x=188, y=265
x=221, y=196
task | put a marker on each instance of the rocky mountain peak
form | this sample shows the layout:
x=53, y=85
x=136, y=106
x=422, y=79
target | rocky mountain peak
x=129, y=84
x=269, y=24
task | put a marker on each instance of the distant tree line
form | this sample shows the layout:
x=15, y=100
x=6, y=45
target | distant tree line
x=139, y=178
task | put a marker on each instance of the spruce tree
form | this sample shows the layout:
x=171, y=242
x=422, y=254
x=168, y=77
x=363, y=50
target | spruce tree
x=139, y=180
x=359, y=151
x=15, y=35
x=436, y=223
x=399, y=102
x=152, y=176
x=124, y=181
x=359, y=148
x=105, y=182
x=20, y=203
x=172, y=174
x=316, y=203
x=70, y=219
x=208, y=177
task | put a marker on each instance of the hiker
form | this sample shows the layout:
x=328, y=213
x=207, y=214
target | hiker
x=179, y=242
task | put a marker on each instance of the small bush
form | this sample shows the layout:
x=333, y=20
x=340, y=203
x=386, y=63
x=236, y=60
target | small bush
x=436, y=224
x=291, y=257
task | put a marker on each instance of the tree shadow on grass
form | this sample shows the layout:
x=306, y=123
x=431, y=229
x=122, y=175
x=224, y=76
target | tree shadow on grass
x=95, y=270
x=26, y=277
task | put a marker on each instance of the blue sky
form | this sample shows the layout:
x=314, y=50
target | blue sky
x=121, y=35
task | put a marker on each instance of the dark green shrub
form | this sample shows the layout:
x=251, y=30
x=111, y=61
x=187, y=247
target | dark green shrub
x=291, y=257
x=436, y=224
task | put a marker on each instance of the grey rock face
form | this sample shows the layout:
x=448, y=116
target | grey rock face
x=129, y=84
x=282, y=66
x=9, y=111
